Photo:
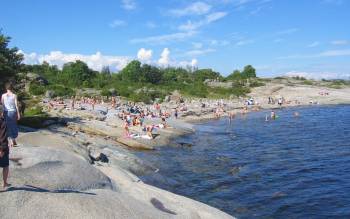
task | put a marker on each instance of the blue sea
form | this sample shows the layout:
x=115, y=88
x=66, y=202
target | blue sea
x=292, y=167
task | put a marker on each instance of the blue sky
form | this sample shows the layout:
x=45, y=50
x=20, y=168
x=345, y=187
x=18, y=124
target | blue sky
x=310, y=38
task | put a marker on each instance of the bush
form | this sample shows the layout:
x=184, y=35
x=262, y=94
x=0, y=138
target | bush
x=106, y=92
x=195, y=90
x=33, y=117
x=299, y=78
x=61, y=91
x=240, y=91
x=256, y=84
x=36, y=89
x=307, y=82
x=34, y=111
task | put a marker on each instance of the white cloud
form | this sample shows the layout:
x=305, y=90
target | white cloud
x=97, y=61
x=329, y=53
x=197, y=45
x=198, y=52
x=287, y=31
x=318, y=75
x=190, y=26
x=151, y=25
x=128, y=4
x=144, y=55
x=30, y=58
x=117, y=23
x=196, y=8
x=314, y=44
x=193, y=63
x=162, y=39
x=244, y=42
x=339, y=42
x=215, y=16
x=164, y=57
x=278, y=40
x=219, y=42
x=94, y=61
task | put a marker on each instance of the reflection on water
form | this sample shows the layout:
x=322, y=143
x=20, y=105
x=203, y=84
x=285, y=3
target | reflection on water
x=293, y=167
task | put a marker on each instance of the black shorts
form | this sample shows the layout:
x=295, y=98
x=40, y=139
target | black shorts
x=4, y=161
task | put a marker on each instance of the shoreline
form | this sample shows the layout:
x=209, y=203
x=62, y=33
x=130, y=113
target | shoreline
x=95, y=140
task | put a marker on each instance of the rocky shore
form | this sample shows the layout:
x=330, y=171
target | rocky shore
x=84, y=168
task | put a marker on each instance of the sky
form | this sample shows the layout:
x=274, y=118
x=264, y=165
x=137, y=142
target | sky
x=308, y=38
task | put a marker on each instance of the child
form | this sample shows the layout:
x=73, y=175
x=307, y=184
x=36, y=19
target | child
x=4, y=151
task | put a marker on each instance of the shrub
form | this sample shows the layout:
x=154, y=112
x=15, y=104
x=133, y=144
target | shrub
x=256, y=84
x=106, y=92
x=61, y=91
x=36, y=89
x=307, y=82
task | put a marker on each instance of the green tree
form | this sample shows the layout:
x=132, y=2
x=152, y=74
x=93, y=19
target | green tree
x=105, y=70
x=151, y=74
x=77, y=73
x=132, y=72
x=236, y=75
x=249, y=72
x=203, y=74
x=10, y=59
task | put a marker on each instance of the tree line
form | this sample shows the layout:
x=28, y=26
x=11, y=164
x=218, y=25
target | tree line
x=128, y=81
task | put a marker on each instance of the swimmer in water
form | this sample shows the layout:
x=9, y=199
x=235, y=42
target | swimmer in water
x=273, y=115
x=296, y=114
x=266, y=118
x=231, y=116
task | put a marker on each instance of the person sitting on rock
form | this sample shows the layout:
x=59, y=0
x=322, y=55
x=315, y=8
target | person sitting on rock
x=4, y=150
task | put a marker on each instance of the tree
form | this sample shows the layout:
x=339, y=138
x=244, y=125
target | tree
x=151, y=74
x=236, y=75
x=105, y=70
x=132, y=72
x=249, y=72
x=77, y=73
x=203, y=74
x=10, y=59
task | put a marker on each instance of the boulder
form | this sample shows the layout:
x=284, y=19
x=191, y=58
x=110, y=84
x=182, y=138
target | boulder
x=166, y=98
x=113, y=91
x=33, y=77
x=176, y=96
x=49, y=94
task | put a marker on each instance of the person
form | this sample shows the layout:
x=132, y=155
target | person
x=11, y=113
x=231, y=116
x=176, y=113
x=280, y=101
x=4, y=150
x=273, y=115
x=72, y=102
x=93, y=102
x=114, y=102
x=126, y=128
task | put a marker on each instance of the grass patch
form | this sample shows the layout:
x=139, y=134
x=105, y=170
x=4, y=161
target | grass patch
x=34, y=117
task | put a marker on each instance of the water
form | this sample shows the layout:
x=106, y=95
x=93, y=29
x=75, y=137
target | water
x=287, y=168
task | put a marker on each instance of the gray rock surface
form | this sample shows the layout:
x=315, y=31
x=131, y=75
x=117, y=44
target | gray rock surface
x=56, y=183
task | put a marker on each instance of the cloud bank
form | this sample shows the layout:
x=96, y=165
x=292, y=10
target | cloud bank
x=97, y=61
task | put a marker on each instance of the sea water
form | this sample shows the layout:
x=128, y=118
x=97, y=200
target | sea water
x=291, y=167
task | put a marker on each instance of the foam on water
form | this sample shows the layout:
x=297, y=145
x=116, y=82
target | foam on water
x=293, y=167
